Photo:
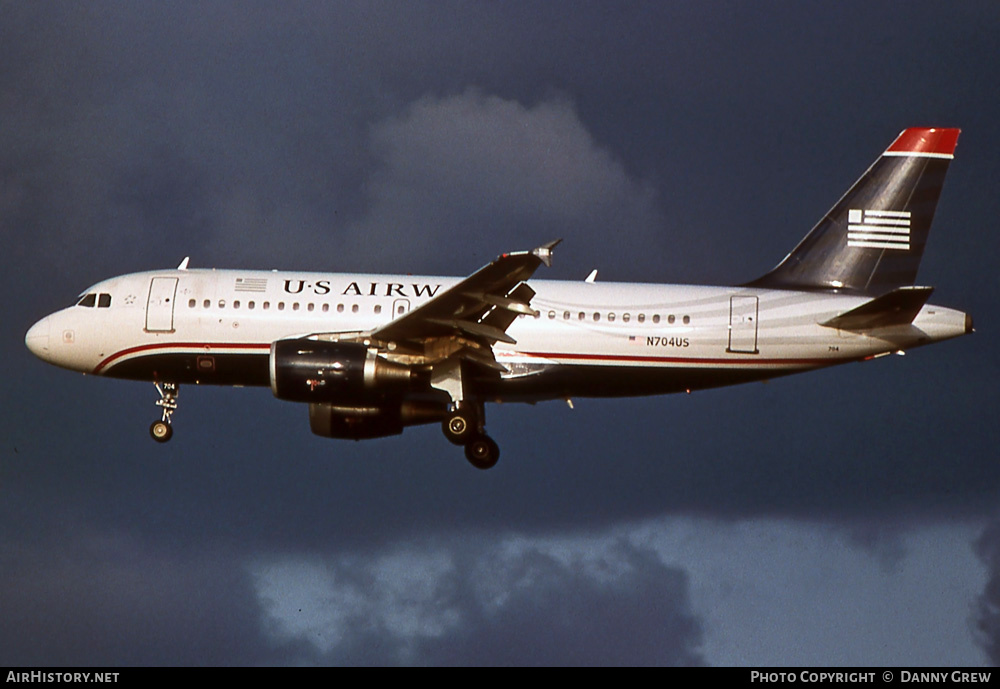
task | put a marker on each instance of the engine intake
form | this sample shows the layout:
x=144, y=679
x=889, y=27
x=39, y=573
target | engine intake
x=306, y=370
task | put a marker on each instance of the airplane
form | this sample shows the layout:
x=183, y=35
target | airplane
x=373, y=354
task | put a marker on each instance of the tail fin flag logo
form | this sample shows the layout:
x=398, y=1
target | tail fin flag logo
x=878, y=229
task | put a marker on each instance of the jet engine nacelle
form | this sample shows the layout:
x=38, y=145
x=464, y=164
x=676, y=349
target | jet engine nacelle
x=358, y=423
x=306, y=370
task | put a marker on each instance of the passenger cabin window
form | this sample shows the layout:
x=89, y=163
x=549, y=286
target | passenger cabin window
x=378, y=308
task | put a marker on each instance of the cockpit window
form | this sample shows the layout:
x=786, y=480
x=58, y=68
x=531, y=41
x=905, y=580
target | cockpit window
x=92, y=299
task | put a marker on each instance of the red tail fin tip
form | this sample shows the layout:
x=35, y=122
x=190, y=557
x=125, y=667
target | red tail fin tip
x=925, y=141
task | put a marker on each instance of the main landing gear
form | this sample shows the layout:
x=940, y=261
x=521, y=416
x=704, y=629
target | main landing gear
x=161, y=431
x=464, y=426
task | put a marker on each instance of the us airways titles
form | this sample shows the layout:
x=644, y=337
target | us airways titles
x=365, y=289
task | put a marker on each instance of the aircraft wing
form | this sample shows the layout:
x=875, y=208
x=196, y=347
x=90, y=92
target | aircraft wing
x=475, y=312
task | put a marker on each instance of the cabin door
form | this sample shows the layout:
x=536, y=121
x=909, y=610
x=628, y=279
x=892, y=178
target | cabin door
x=743, y=325
x=160, y=305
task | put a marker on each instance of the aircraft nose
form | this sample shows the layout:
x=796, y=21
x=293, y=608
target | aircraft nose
x=37, y=339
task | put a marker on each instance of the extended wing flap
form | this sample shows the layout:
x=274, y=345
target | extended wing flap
x=508, y=308
x=466, y=309
x=475, y=329
x=898, y=307
x=483, y=359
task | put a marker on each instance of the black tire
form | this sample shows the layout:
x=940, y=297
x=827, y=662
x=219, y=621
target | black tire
x=458, y=428
x=161, y=431
x=482, y=452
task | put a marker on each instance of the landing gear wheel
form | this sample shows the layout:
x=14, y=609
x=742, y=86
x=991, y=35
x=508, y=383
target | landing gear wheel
x=482, y=452
x=161, y=431
x=458, y=428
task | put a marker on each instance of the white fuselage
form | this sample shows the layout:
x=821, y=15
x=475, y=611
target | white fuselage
x=217, y=326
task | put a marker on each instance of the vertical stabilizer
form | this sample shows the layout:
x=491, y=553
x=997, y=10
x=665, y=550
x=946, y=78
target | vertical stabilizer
x=872, y=240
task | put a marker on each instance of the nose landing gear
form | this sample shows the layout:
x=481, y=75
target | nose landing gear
x=161, y=431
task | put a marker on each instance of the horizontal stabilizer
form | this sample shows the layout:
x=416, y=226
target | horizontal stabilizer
x=898, y=307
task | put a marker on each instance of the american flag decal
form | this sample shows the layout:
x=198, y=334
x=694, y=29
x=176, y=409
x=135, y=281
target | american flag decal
x=251, y=284
x=878, y=229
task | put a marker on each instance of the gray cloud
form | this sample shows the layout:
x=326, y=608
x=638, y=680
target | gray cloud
x=511, y=601
x=479, y=172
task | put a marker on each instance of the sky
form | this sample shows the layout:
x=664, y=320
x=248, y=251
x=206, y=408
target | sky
x=843, y=517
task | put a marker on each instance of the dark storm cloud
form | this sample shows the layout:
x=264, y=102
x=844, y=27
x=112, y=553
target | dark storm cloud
x=986, y=617
x=131, y=123
x=188, y=132
x=96, y=597
x=510, y=601
x=261, y=118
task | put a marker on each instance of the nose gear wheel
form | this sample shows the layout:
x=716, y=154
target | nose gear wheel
x=161, y=431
